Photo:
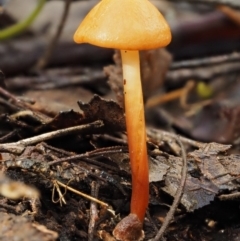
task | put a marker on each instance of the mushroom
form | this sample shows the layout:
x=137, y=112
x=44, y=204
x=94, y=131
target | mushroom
x=129, y=25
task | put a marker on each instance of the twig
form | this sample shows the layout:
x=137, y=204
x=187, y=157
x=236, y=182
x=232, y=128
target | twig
x=19, y=146
x=83, y=194
x=93, y=211
x=233, y=57
x=8, y=95
x=181, y=94
x=8, y=105
x=161, y=135
x=97, y=152
x=48, y=52
x=71, y=173
x=58, y=150
x=114, y=139
x=231, y=196
x=103, y=165
x=178, y=195
x=203, y=73
x=19, y=103
x=47, y=81
x=61, y=198
x=231, y=3
x=8, y=136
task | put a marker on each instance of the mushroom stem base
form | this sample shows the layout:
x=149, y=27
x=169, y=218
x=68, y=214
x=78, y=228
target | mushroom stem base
x=129, y=229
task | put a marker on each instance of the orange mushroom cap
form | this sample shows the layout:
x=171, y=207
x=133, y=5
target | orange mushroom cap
x=124, y=24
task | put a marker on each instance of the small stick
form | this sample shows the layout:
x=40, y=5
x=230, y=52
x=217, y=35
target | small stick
x=48, y=52
x=181, y=94
x=93, y=211
x=161, y=135
x=203, y=73
x=19, y=146
x=231, y=196
x=83, y=194
x=231, y=3
x=115, y=139
x=61, y=198
x=177, y=197
x=8, y=136
x=59, y=151
x=97, y=152
x=17, y=101
x=8, y=95
x=11, y=107
x=200, y=62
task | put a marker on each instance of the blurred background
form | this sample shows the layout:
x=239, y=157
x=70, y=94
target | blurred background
x=192, y=87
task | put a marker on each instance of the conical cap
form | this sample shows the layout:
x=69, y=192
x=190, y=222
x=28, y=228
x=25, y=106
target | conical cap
x=124, y=24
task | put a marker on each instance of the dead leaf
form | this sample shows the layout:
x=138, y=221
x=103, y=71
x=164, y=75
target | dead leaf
x=19, y=228
x=202, y=184
x=106, y=110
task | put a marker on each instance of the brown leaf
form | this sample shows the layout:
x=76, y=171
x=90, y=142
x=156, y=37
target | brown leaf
x=106, y=110
x=208, y=162
x=62, y=120
x=208, y=173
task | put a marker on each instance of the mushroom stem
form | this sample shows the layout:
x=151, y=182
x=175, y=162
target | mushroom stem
x=136, y=131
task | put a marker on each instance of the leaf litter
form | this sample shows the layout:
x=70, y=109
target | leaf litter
x=212, y=172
